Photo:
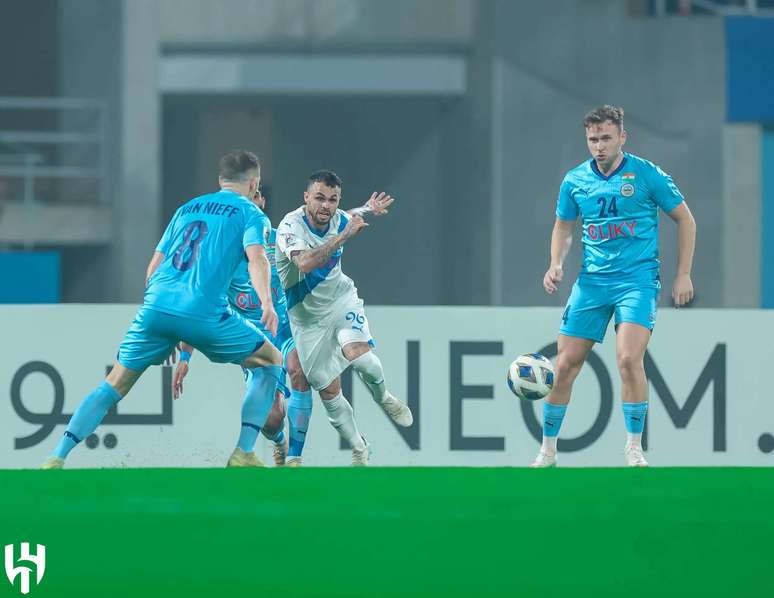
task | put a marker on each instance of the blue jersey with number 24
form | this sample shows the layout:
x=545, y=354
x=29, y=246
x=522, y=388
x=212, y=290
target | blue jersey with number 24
x=202, y=246
x=620, y=216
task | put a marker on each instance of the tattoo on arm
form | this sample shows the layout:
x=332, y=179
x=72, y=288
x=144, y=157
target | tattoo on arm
x=309, y=259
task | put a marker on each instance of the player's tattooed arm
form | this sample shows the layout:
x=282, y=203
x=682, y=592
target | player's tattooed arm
x=309, y=259
x=377, y=205
x=155, y=262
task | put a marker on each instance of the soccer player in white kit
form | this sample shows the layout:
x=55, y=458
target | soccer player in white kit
x=326, y=315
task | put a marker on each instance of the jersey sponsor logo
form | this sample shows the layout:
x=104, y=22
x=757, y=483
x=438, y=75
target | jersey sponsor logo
x=245, y=301
x=627, y=189
x=611, y=230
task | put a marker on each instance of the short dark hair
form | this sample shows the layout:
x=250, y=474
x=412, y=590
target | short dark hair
x=238, y=166
x=603, y=114
x=327, y=177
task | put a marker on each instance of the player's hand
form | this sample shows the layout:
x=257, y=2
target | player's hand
x=354, y=226
x=552, y=278
x=378, y=204
x=682, y=290
x=181, y=371
x=269, y=319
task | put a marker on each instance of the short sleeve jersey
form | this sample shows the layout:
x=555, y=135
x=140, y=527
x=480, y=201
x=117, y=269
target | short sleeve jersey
x=203, y=244
x=619, y=213
x=242, y=295
x=314, y=295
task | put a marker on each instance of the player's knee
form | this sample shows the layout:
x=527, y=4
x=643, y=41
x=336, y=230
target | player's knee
x=567, y=369
x=298, y=380
x=630, y=364
x=273, y=357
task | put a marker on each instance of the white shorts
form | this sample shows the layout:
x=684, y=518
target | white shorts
x=319, y=345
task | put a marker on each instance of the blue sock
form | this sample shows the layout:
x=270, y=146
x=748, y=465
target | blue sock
x=552, y=418
x=634, y=416
x=259, y=397
x=87, y=417
x=279, y=437
x=299, y=414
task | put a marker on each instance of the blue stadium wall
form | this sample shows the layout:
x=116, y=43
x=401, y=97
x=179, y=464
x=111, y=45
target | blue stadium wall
x=750, y=98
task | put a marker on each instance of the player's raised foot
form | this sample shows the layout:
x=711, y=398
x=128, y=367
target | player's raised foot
x=280, y=452
x=53, y=463
x=361, y=454
x=634, y=456
x=398, y=412
x=294, y=462
x=544, y=460
x=240, y=458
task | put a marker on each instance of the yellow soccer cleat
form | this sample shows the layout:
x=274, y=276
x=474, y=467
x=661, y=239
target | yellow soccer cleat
x=240, y=458
x=280, y=452
x=53, y=463
x=294, y=462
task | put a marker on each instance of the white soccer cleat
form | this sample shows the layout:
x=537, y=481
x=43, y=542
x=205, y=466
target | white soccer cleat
x=360, y=457
x=398, y=412
x=544, y=460
x=294, y=462
x=280, y=452
x=635, y=456
x=240, y=458
x=53, y=463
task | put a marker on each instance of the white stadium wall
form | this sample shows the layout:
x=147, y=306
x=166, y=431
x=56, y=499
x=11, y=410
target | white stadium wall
x=710, y=402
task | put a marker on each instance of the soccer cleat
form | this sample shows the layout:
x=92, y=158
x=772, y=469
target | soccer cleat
x=294, y=462
x=360, y=457
x=53, y=463
x=544, y=460
x=280, y=452
x=634, y=456
x=398, y=412
x=240, y=458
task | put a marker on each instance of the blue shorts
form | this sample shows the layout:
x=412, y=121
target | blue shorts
x=154, y=334
x=592, y=304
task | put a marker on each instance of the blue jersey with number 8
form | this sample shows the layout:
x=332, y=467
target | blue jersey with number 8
x=620, y=216
x=202, y=246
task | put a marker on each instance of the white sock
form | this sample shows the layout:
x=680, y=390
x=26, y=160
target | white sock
x=633, y=439
x=342, y=418
x=549, y=445
x=370, y=370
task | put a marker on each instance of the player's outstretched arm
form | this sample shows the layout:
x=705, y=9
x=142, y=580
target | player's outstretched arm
x=561, y=240
x=377, y=205
x=682, y=289
x=310, y=259
x=155, y=262
x=260, y=276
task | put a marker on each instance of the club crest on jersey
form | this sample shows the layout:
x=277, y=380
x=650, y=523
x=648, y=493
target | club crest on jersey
x=627, y=190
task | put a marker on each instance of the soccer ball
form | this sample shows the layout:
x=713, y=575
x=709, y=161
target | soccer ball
x=531, y=376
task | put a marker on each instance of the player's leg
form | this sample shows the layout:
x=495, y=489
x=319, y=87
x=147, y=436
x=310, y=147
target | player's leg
x=235, y=340
x=263, y=376
x=584, y=322
x=274, y=428
x=572, y=352
x=299, y=407
x=635, y=316
x=342, y=418
x=631, y=342
x=144, y=344
x=354, y=337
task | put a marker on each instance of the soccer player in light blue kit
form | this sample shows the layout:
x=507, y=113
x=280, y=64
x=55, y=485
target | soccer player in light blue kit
x=617, y=196
x=185, y=298
x=243, y=299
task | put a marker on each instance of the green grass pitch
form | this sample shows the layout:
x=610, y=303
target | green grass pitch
x=395, y=532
